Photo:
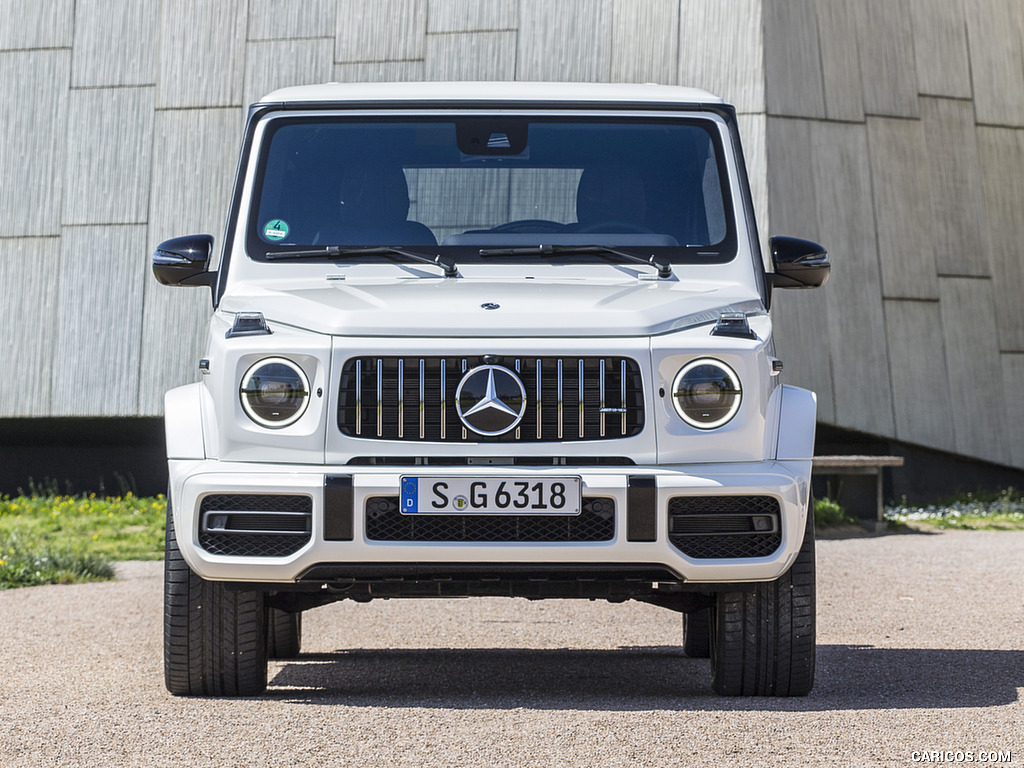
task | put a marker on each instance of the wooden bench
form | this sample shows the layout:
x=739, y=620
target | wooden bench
x=860, y=505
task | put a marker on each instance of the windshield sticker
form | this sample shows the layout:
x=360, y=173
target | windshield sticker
x=275, y=229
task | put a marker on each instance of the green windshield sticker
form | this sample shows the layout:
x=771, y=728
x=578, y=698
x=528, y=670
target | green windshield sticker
x=275, y=229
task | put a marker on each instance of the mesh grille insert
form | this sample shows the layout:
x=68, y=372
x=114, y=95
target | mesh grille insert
x=715, y=527
x=255, y=525
x=596, y=522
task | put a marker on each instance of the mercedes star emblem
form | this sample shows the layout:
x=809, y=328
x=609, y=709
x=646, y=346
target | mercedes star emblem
x=490, y=400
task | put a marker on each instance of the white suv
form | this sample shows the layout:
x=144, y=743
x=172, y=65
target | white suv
x=490, y=339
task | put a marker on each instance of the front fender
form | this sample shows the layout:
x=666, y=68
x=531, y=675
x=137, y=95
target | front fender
x=183, y=422
x=797, y=421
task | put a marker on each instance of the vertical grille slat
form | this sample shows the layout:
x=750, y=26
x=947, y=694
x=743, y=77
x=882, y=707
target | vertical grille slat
x=359, y=397
x=568, y=398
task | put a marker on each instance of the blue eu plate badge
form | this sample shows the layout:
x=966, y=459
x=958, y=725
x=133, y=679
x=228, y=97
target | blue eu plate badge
x=410, y=494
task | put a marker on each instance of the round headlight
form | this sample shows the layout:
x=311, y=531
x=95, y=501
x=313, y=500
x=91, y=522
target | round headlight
x=706, y=393
x=274, y=392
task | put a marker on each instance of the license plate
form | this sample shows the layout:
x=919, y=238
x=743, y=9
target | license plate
x=490, y=496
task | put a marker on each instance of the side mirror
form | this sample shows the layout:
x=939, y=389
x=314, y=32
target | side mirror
x=183, y=261
x=798, y=263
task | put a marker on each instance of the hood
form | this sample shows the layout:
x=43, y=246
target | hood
x=368, y=303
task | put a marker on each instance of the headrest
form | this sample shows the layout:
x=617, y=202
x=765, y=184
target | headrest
x=374, y=193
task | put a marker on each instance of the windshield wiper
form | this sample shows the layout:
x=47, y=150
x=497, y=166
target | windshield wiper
x=337, y=252
x=663, y=267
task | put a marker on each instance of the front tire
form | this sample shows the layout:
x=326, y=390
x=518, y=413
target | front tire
x=214, y=638
x=763, y=641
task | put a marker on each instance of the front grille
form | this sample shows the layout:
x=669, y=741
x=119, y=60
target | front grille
x=255, y=525
x=596, y=522
x=567, y=398
x=715, y=527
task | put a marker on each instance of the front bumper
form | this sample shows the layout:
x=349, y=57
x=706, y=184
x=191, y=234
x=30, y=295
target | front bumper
x=786, y=482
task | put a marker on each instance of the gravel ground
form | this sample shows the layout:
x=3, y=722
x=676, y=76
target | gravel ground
x=921, y=648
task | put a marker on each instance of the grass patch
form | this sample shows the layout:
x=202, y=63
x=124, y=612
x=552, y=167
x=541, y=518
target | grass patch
x=63, y=539
x=1000, y=511
x=828, y=514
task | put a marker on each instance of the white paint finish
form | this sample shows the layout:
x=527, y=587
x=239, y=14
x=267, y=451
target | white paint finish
x=961, y=231
x=801, y=318
x=1002, y=172
x=792, y=59
x=787, y=481
x=380, y=30
x=997, y=60
x=277, y=63
x=291, y=19
x=107, y=181
x=901, y=183
x=860, y=355
x=840, y=59
x=796, y=424
x=98, y=328
x=380, y=72
x=33, y=127
x=512, y=92
x=721, y=48
x=1013, y=384
x=885, y=39
x=202, y=53
x=183, y=422
x=645, y=42
x=31, y=24
x=471, y=15
x=570, y=40
x=114, y=43
x=974, y=369
x=920, y=387
x=940, y=48
x=28, y=282
x=471, y=56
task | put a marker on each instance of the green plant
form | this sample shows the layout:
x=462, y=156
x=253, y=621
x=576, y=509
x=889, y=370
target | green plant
x=56, y=538
x=828, y=514
x=25, y=562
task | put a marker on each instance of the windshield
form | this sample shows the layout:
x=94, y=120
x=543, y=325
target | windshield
x=465, y=184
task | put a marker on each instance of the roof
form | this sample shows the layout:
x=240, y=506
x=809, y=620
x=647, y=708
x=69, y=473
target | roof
x=492, y=92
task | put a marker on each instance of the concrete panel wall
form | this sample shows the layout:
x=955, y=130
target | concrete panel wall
x=940, y=100
x=890, y=130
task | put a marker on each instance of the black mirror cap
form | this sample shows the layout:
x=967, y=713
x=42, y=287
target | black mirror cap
x=798, y=263
x=183, y=261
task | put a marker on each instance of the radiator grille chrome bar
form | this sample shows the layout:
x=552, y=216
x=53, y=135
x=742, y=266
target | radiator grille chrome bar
x=401, y=398
x=560, y=381
x=581, y=397
x=622, y=402
x=444, y=399
x=359, y=397
x=539, y=401
x=423, y=425
x=602, y=406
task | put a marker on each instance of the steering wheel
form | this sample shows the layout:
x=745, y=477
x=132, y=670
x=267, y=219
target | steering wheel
x=528, y=225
